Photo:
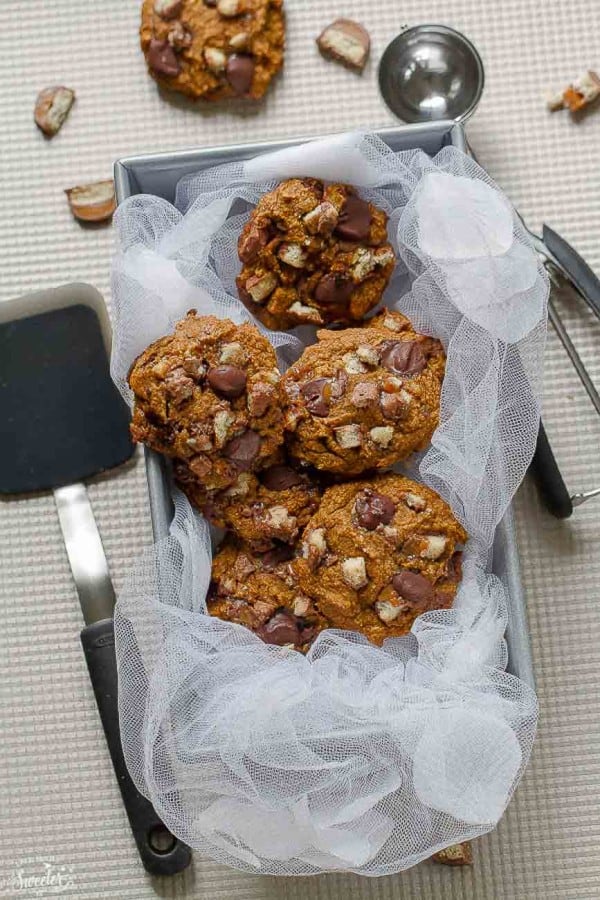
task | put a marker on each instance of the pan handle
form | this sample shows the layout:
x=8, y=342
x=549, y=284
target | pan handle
x=583, y=277
x=161, y=852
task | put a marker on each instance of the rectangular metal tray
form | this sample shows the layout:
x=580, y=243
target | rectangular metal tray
x=159, y=173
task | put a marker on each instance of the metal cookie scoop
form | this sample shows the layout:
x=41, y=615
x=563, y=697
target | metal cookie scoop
x=431, y=72
x=434, y=72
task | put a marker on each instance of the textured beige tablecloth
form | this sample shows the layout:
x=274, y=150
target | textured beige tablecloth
x=59, y=803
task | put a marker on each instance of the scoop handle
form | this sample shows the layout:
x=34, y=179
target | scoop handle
x=161, y=852
x=551, y=486
x=581, y=274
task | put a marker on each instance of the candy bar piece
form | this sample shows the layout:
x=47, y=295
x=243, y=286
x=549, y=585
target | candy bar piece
x=584, y=90
x=52, y=107
x=347, y=42
x=456, y=855
x=555, y=101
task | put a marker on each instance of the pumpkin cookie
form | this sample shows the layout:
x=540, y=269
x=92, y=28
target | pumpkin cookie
x=261, y=592
x=379, y=553
x=213, y=49
x=364, y=398
x=263, y=509
x=209, y=394
x=313, y=255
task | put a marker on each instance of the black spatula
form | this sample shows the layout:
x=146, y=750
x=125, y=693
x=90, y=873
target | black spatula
x=62, y=421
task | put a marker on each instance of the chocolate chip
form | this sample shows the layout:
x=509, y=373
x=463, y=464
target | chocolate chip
x=454, y=567
x=162, y=58
x=243, y=450
x=227, y=381
x=308, y=634
x=240, y=73
x=413, y=588
x=334, y=290
x=280, y=478
x=317, y=394
x=355, y=220
x=210, y=2
x=281, y=629
x=277, y=555
x=404, y=357
x=373, y=509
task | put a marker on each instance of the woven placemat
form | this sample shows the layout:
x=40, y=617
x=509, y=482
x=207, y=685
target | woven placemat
x=61, y=811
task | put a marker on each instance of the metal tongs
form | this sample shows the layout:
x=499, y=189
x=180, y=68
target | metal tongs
x=566, y=270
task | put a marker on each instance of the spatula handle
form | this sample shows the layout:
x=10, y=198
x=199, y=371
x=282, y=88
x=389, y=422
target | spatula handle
x=161, y=852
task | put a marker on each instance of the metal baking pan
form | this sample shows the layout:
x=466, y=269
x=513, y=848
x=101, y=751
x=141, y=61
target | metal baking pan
x=159, y=173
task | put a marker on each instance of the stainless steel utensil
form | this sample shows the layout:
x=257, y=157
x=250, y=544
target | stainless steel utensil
x=430, y=72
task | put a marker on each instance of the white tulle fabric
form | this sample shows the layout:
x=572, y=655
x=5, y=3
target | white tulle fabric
x=352, y=757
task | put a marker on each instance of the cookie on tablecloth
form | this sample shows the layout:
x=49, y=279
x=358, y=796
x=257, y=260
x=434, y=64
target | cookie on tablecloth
x=313, y=254
x=213, y=49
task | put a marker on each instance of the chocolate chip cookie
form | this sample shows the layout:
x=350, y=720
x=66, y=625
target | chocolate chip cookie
x=214, y=49
x=313, y=255
x=364, y=398
x=263, y=509
x=261, y=592
x=379, y=553
x=209, y=394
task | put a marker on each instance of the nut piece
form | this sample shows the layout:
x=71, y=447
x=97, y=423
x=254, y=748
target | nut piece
x=435, y=546
x=179, y=386
x=353, y=365
x=347, y=42
x=414, y=501
x=178, y=37
x=293, y=255
x=301, y=605
x=395, y=406
x=368, y=355
x=241, y=487
x=167, y=9
x=278, y=517
x=364, y=394
x=354, y=572
x=260, y=398
x=382, y=435
x=52, y=107
x=261, y=286
x=233, y=354
x=239, y=41
x=363, y=263
x=348, y=436
x=387, y=611
x=92, y=202
x=306, y=312
x=222, y=423
x=457, y=855
x=393, y=323
x=322, y=219
x=314, y=548
x=215, y=59
x=316, y=541
x=228, y=8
